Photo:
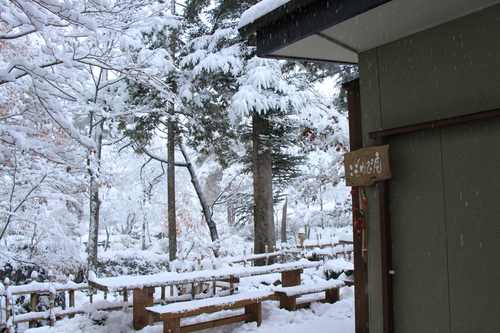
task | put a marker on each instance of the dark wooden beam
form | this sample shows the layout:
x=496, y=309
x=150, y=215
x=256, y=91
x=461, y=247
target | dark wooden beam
x=386, y=251
x=436, y=124
x=360, y=266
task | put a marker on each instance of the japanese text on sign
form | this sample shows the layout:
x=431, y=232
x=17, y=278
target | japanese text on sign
x=365, y=166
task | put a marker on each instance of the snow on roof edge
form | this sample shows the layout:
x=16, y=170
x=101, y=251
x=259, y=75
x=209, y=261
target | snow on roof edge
x=259, y=10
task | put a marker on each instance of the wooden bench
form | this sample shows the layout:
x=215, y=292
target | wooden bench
x=171, y=314
x=144, y=286
x=288, y=296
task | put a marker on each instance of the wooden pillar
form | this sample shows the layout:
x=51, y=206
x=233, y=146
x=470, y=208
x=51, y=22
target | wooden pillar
x=332, y=295
x=142, y=299
x=32, y=308
x=172, y=325
x=288, y=302
x=255, y=310
x=291, y=278
x=71, y=295
x=386, y=252
x=360, y=266
x=51, y=309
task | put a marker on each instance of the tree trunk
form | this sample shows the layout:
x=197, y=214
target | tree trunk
x=283, y=222
x=230, y=213
x=264, y=233
x=143, y=234
x=201, y=196
x=172, y=225
x=95, y=203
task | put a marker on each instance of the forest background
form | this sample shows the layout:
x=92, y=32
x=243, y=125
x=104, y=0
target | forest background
x=133, y=133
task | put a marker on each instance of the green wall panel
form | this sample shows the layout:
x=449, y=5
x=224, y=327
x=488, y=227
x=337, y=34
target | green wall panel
x=420, y=283
x=443, y=72
x=471, y=158
x=444, y=201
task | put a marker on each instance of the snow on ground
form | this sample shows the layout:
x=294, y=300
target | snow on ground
x=319, y=318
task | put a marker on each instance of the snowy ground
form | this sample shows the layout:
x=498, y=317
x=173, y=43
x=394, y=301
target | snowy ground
x=319, y=318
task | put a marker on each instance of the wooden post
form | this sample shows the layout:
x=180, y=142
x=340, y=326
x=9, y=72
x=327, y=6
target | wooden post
x=106, y=292
x=7, y=303
x=33, y=299
x=267, y=255
x=288, y=303
x=71, y=295
x=142, y=299
x=255, y=310
x=231, y=284
x=291, y=278
x=332, y=295
x=172, y=325
x=51, y=304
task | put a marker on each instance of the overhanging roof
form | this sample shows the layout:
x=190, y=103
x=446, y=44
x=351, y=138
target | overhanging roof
x=338, y=30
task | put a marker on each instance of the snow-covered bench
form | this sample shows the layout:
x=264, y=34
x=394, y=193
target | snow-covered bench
x=171, y=314
x=290, y=297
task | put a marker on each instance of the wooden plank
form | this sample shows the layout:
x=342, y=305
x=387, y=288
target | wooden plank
x=216, y=322
x=208, y=308
x=308, y=288
x=171, y=320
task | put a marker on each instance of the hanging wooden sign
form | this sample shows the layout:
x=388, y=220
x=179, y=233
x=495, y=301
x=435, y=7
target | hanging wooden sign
x=365, y=166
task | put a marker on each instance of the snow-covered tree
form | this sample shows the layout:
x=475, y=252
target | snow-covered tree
x=72, y=53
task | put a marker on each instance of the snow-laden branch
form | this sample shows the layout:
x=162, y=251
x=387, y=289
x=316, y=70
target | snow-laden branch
x=20, y=204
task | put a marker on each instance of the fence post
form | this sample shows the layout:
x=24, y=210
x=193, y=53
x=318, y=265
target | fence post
x=125, y=295
x=34, y=276
x=6, y=283
x=267, y=256
x=51, y=301
x=163, y=292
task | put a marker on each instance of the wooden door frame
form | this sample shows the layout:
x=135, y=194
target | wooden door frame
x=360, y=266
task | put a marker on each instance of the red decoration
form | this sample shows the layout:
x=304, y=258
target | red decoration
x=353, y=211
x=364, y=202
x=363, y=225
x=356, y=223
x=359, y=231
x=353, y=192
x=360, y=219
